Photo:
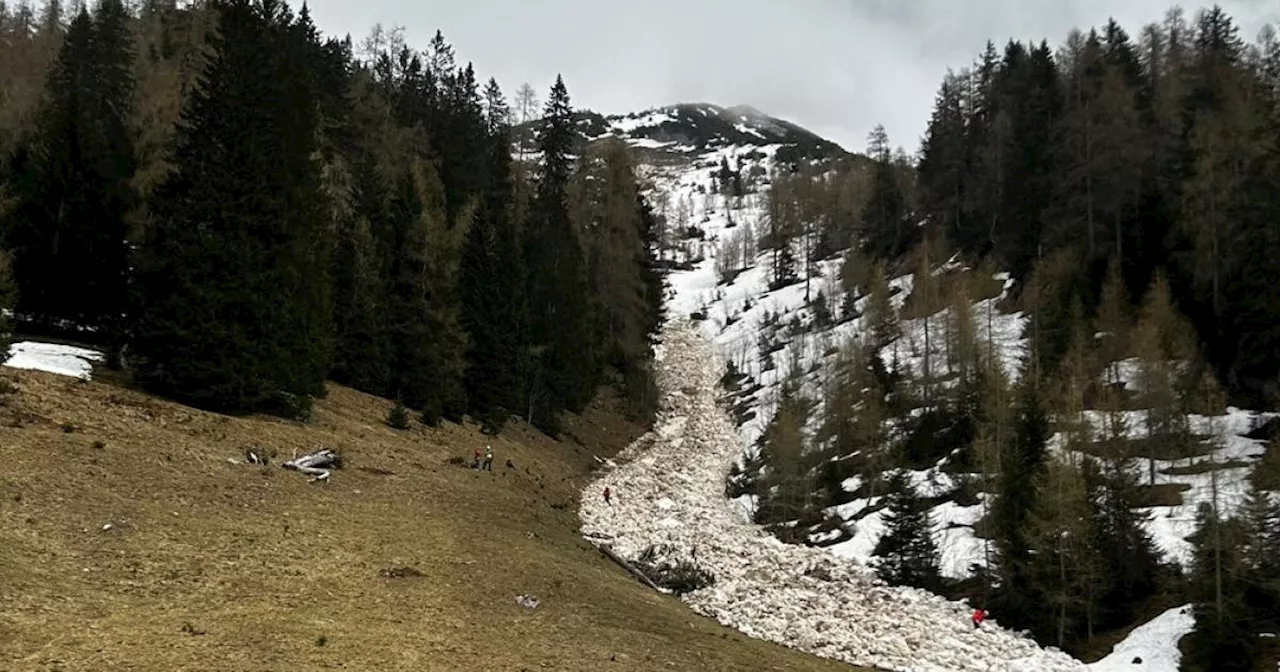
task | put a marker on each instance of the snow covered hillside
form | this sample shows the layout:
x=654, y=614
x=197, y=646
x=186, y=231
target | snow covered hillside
x=736, y=316
x=683, y=152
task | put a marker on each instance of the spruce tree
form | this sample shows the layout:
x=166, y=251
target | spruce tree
x=783, y=450
x=1128, y=561
x=428, y=343
x=1260, y=515
x=8, y=299
x=1021, y=463
x=886, y=233
x=492, y=282
x=115, y=163
x=58, y=199
x=232, y=284
x=881, y=316
x=559, y=305
x=908, y=554
x=1063, y=560
x=610, y=212
x=1223, y=639
x=398, y=416
x=75, y=204
x=362, y=357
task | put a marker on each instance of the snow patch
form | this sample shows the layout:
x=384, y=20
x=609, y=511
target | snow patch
x=1154, y=643
x=64, y=360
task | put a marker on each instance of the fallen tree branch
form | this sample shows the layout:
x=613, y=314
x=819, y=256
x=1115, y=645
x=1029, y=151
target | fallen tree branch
x=630, y=568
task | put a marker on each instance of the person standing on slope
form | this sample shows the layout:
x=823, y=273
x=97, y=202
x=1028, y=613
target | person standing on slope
x=488, y=459
x=606, y=496
x=979, y=615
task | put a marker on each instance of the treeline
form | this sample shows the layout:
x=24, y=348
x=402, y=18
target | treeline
x=239, y=208
x=1158, y=154
x=1109, y=178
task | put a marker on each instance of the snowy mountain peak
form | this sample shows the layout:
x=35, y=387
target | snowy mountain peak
x=694, y=129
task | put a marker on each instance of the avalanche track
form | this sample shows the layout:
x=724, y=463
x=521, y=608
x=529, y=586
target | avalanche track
x=669, y=489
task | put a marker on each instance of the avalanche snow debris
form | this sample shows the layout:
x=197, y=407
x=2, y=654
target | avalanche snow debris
x=762, y=587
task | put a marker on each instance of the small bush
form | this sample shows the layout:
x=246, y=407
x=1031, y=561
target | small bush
x=432, y=414
x=289, y=406
x=322, y=640
x=99, y=445
x=7, y=386
x=69, y=427
x=398, y=418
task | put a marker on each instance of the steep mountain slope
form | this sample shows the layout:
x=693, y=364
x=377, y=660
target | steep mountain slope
x=765, y=333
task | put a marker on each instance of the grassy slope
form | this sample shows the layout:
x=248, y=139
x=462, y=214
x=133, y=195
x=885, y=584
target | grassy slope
x=212, y=565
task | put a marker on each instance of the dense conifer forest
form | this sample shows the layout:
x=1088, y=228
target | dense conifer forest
x=238, y=208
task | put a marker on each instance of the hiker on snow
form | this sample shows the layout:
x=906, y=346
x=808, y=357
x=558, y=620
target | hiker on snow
x=978, y=616
x=488, y=459
x=606, y=496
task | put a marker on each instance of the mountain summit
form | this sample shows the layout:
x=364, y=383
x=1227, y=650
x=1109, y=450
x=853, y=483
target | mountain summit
x=695, y=128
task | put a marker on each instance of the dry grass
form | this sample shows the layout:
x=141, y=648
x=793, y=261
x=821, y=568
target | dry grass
x=401, y=562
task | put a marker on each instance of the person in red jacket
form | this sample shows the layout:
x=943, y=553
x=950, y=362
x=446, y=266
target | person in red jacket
x=978, y=616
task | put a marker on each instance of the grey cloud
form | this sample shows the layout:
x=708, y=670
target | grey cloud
x=838, y=67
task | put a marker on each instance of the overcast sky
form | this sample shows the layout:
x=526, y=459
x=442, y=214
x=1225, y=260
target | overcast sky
x=838, y=67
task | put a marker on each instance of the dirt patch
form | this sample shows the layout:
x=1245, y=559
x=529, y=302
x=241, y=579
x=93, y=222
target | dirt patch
x=400, y=573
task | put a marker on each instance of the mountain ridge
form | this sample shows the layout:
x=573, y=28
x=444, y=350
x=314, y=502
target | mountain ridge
x=694, y=128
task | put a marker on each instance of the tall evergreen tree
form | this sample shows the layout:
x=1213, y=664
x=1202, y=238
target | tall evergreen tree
x=427, y=340
x=232, y=284
x=493, y=284
x=74, y=208
x=8, y=298
x=1020, y=463
x=1223, y=639
x=886, y=229
x=566, y=371
x=908, y=555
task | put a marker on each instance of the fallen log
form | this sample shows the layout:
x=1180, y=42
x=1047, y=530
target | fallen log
x=608, y=552
x=317, y=465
